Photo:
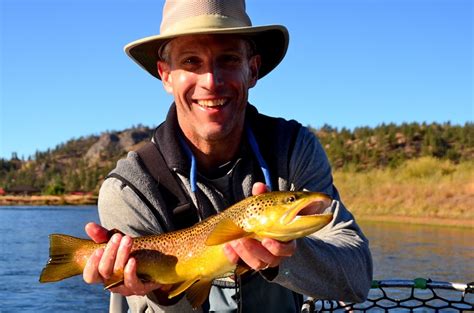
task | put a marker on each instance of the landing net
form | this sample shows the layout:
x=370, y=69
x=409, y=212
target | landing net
x=418, y=295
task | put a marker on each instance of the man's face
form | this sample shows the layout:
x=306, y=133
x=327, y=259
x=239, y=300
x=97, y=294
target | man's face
x=209, y=77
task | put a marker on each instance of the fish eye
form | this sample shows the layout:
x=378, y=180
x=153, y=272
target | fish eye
x=290, y=199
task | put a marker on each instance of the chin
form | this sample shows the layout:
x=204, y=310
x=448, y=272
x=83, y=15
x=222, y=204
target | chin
x=216, y=133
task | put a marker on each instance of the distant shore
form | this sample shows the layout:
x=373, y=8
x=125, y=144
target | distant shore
x=418, y=220
x=92, y=200
x=39, y=200
x=422, y=191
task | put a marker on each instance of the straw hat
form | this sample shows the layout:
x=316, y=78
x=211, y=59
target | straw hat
x=186, y=17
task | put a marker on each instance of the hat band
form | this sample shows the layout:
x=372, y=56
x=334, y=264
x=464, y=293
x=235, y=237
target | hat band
x=202, y=23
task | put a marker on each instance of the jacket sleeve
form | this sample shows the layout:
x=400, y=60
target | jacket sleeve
x=335, y=262
x=121, y=208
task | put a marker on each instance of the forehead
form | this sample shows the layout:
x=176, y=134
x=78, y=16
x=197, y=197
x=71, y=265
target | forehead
x=196, y=43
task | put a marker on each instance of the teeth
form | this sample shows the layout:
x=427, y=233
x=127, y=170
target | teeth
x=211, y=103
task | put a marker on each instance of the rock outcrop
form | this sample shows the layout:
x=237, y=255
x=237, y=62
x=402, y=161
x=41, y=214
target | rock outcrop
x=113, y=143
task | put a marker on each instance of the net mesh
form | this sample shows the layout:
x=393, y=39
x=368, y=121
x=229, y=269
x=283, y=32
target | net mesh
x=418, y=295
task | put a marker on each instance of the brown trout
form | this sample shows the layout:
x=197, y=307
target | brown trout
x=190, y=259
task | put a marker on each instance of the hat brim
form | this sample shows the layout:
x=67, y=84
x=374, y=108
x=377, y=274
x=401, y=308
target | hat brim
x=271, y=42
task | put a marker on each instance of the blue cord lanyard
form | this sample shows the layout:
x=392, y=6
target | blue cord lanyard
x=261, y=161
x=193, y=171
x=256, y=151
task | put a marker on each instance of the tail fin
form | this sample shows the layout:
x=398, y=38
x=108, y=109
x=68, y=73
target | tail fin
x=63, y=261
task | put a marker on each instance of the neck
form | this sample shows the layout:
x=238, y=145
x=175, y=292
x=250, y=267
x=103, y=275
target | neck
x=211, y=154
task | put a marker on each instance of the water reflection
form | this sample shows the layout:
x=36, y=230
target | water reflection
x=399, y=251
x=404, y=251
x=24, y=251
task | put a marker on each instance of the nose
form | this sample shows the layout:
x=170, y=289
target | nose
x=211, y=78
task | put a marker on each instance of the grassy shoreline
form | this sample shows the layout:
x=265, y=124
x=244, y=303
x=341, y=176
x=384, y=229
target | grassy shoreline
x=424, y=191
x=425, y=188
x=40, y=200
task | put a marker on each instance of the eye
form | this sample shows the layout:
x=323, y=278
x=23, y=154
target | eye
x=290, y=199
x=229, y=59
x=190, y=61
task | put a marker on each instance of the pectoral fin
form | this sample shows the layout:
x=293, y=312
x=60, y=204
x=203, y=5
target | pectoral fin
x=226, y=230
x=198, y=293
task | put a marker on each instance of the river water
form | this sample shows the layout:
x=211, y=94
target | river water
x=399, y=251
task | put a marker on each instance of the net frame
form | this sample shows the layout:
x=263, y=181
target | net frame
x=418, y=295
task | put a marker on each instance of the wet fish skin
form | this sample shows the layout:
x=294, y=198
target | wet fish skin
x=189, y=259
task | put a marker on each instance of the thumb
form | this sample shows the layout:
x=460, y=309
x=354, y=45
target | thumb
x=259, y=188
x=96, y=232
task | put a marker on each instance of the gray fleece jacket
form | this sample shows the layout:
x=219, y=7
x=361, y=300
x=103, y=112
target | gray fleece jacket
x=333, y=263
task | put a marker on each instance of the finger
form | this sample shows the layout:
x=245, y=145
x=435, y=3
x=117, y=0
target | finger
x=231, y=254
x=123, y=253
x=253, y=253
x=131, y=280
x=279, y=248
x=96, y=232
x=133, y=283
x=259, y=188
x=107, y=262
x=91, y=272
x=129, y=286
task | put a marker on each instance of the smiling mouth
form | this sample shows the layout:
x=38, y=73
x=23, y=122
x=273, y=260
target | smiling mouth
x=214, y=103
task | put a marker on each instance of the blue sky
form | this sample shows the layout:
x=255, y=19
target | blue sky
x=350, y=63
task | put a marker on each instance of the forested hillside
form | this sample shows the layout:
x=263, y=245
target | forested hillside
x=81, y=164
x=390, y=145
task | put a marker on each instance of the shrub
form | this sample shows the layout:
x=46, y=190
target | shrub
x=425, y=167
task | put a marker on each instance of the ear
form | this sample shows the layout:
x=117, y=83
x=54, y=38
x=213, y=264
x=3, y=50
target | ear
x=254, y=66
x=164, y=70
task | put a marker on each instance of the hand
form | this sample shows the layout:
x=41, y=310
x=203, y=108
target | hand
x=114, y=258
x=259, y=255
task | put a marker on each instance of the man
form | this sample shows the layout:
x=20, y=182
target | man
x=221, y=150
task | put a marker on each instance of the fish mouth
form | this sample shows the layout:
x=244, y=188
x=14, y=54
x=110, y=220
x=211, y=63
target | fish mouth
x=305, y=218
x=314, y=208
x=307, y=208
